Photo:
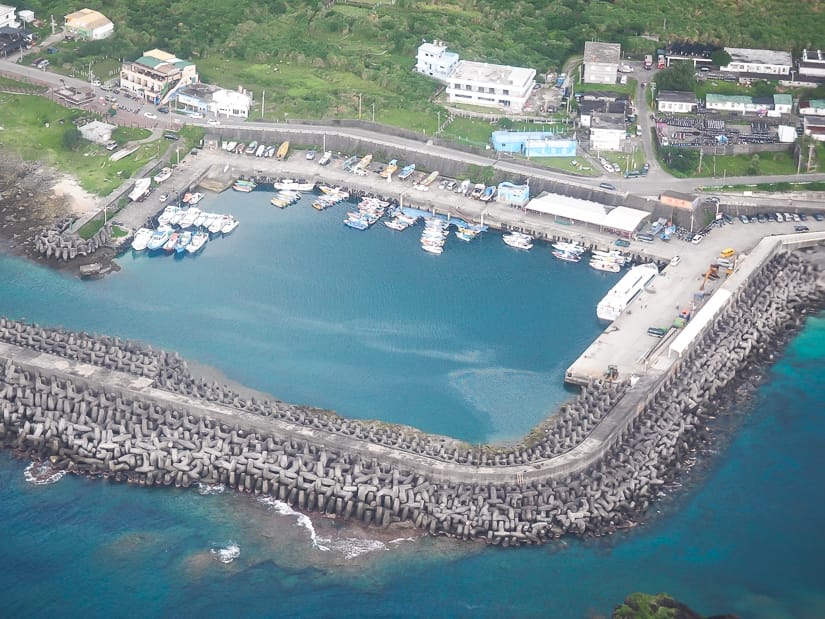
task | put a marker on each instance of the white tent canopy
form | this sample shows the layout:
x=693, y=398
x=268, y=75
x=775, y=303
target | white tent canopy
x=620, y=218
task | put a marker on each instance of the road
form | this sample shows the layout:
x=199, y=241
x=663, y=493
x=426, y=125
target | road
x=651, y=185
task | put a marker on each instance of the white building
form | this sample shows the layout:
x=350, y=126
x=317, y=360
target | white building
x=89, y=24
x=758, y=62
x=230, y=103
x=607, y=132
x=676, y=102
x=601, y=62
x=490, y=85
x=815, y=128
x=812, y=107
x=434, y=60
x=812, y=63
x=7, y=16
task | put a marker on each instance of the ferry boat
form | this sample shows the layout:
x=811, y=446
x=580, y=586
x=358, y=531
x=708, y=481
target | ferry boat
x=391, y=168
x=244, y=185
x=288, y=184
x=325, y=158
x=406, y=171
x=518, y=240
x=163, y=175
x=141, y=239
x=627, y=289
x=283, y=149
x=197, y=243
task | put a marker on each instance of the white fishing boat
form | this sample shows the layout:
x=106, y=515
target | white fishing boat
x=572, y=247
x=197, y=243
x=230, y=223
x=141, y=239
x=195, y=198
x=566, y=256
x=192, y=213
x=163, y=175
x=165, y=218
x=605, y=265
x=518, y=240
x=288, y=184
x=216, y=225
x=158, y=239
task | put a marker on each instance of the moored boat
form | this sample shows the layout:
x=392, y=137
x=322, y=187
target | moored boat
x=158, y=239
x=518, y=240
x=141, y=239
x=625, y=290
x=229, y=225
x=196, y=197
x=170, y=245
x=283, y=150
x=289, y=184
x=183, y=240
x=191, y=214
x=197, y=243
x=243, y=185
x=566, y=256
x=391, y=168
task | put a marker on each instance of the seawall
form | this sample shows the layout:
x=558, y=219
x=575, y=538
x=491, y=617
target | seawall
x=102, y=405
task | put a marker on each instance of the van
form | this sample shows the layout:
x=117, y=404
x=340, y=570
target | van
x=647, y=238
x=727, y=253
x=657, y=331
x=725, y=263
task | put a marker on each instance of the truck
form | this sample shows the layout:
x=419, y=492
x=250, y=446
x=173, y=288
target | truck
x=648, y=61
x=661, y=62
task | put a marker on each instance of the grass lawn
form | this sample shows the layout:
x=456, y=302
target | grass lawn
x=770, y=187
x=625, y=89
x=121, y=135
x=632, y=161
x=565, y=163
x=33, y=128
x=741, y=165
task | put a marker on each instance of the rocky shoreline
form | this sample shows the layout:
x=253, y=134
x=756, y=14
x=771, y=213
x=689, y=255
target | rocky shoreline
x=95, y=429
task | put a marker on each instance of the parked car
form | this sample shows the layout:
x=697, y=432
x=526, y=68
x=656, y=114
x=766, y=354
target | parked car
x=801, y=228
x=213, y=122
x=728, y=219
x=744, y=219
x=761, y=218
x=646, y=238
x=819, y=216
x=697, y=238
x=310, y=155
x=607, y=186
x=150, y=115
x=622, y=243
x=675, y=260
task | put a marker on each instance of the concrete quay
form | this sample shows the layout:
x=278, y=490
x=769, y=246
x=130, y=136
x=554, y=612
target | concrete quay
x=99, y=405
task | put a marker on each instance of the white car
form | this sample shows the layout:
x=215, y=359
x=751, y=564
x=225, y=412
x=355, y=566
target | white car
x=196, y=115
x=675, y=260
x=213, y=121
x=697, y=238
x=150, y=115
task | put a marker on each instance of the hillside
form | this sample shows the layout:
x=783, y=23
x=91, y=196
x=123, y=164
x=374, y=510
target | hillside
x=314, y=58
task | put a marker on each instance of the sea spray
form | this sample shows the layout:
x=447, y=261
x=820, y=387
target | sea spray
x=228, y=553
x=42, y=473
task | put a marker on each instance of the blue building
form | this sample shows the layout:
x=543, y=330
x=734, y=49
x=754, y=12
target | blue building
x=533, y=144
x=513, y=195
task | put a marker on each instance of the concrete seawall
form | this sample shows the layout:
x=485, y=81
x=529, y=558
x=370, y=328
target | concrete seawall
x=102, y=405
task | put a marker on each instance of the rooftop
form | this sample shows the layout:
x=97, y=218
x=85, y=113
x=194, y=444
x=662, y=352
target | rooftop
x=687, y=197
x=817, y=104
x=5, y=8
x=759, y=56
x=619, y=218
x=607, y=121
x=469, y=71
x=88, y=18
x=814, y=56
x=676, y=96
x=596, y=51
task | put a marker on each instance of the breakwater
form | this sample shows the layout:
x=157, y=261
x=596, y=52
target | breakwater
x=141, y=416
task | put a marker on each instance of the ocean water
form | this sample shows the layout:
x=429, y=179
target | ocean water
x=472, y=343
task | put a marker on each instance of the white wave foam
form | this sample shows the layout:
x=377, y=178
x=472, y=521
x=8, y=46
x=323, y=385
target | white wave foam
x=398, y=540
x=42, y=473
x=301, y=519
x=352, y=547
x=227, y=554
x=210, y=488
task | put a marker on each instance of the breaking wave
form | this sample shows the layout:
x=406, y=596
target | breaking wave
x=42, y=473
x=210, y=488
x=227, y=554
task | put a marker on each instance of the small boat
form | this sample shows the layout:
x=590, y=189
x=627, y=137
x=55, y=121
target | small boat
x=605, y=265
x=163, y=175
x=478, y=190
x=195, y=198
x=171, y=243
x=141, y=239
x=429, y=180
x=260, y=150
x=230, y=146
x=488, y=194
x=391, y=168
x=216, y=225
x=243, y=185
x=363, y=164
x=251, y=148
x=186, y=197
x=183, y=240
x=325, y=158
x=566, y=256
x=463, y=187
x=157, y=240
x=433, y=249
x=283, y=149
x=406, y=171
x=518, y=240
x=192, y=213
x=200, y=220
x=229, y=225
x=349, y=162
x=165, y=218
x=197, y=243
x=571, y=247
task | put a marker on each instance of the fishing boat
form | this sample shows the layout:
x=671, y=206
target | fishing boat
x=293, y=185
x=325, y=158
x=569, y=246
x=229, y=225
x=362, y=165
x=463, y=187
x=200, y=220
x=216, y=225
x=158, y=239
x=424, y=185
x=605, y=265
x=391, y=168
x=197, y=243
x=189, y=218
x=170, y=245
x=283, y=149
x=243, y=185
x=251, y=147
x=566, y=256
x=488, y=194
x=260, y=150
x=230, y=146
x=163, y=175
x=406, y=171
x=183, y=240
x=195, y=198
x=518, y=240
x=349, y=162
x=165, y=218
x=478, y=189
x=141, y=239
x=467, y=234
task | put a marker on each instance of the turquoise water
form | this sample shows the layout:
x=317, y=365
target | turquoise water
x=471, y=343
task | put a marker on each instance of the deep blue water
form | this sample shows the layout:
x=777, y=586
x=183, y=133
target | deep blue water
x=471, y=343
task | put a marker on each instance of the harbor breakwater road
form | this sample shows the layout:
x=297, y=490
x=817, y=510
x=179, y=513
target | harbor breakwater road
x=104, y=406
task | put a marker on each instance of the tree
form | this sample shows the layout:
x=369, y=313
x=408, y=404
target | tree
x=680, y=76
x=720, y=57
x=753, y=168
x=71, y=138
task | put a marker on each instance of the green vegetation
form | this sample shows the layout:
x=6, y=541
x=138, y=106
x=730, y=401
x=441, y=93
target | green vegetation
x=626, y=161
x=7, y=82
x=770, y=187
x=121, y=135
x=314, y=59
x=685, y=163
x=679, y=76
x=40, y=130
x=566, y=163
x=660, y=606
x=625, y=89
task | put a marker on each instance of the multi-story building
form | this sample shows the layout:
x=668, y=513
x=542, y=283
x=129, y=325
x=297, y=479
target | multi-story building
x=771, y=105
x=812, y=63
x=156, y=74
x=812, y=107
x=490, y=85
x=207, y=99
x=607, y=131
x=434, y=60
x=88, y=24
x=676, y=102
x=762, y=63
x=7, y=16
x=601, y=62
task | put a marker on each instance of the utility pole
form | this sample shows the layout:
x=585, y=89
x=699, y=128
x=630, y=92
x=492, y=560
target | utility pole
x=263, y=103
x=359, y=106
x=701, y=155
x=373, y=112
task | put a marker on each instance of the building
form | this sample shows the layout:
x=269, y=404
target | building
x=676, y=199
x=513, y=195
x=550, y=147
x=607, y=131
x=688, y=51
x=812, y=63
x=88, y=24
x=676, y=102
x=434, y=60
x=206, y=99
x=601, y=62
x=97, y=132
x=26, y=16
x=771, y=105
x=620, y=220
x=490, y=85
x=13, y=40
x=596, y=103
x=758, y=62
x=156, y=74
x=532, y=144
x=7, y=18
x=814, y=126
x=812, y=107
